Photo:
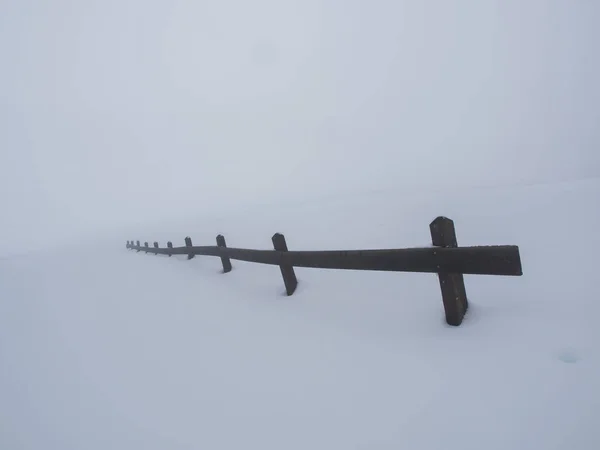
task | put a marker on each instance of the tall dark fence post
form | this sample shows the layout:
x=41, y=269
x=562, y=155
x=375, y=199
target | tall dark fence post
x=188, y=243
x=224, y=259
x=287, y=271
x=137, y=244
x=156, y=246
x=170, y=245
x=454, y=293
x=146, y=246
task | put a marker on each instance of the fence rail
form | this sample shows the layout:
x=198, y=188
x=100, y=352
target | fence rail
x=445, y=258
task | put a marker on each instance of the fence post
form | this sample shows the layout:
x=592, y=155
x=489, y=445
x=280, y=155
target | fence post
x=137, y=245
x=454, y=294
x=170, y=245
x=188, y=243
x=224, y=259
x=146, y=246
x=287, y=271
x=156, y=246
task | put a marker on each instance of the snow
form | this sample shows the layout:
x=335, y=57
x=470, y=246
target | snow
x=102, y=347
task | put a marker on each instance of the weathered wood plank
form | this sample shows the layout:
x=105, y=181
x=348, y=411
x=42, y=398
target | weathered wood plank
x=225, y=260
x=287, y=269
x=452, y=284
x=480, y=260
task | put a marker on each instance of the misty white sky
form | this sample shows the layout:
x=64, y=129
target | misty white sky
x=108, y=108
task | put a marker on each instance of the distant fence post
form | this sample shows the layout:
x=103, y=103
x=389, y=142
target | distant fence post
x=287, y=271
x=454, y=294
x=146, y=246
x=156, y=246
x=188, y=243
x=224, y=259
x=170, y=246
x=137, y=245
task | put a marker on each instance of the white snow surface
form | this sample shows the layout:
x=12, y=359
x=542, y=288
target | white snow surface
x=104, y=348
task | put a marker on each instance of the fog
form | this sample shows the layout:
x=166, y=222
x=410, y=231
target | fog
x=115, y=113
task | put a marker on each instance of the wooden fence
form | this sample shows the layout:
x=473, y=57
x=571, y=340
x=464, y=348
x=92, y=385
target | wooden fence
x=445, y=258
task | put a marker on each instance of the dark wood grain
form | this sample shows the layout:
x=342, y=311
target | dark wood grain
x=286, y=267
x=452, y=283
x=225, y=260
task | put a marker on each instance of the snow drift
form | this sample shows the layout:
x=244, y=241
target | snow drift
x=102, y=348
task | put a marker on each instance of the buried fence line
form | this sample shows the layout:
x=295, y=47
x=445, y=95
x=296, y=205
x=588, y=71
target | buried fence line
x=445, y=258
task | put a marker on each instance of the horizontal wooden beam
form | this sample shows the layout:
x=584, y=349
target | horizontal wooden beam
x=482, y=260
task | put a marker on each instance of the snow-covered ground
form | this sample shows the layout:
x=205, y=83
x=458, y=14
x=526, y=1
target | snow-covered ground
x=102, y=348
